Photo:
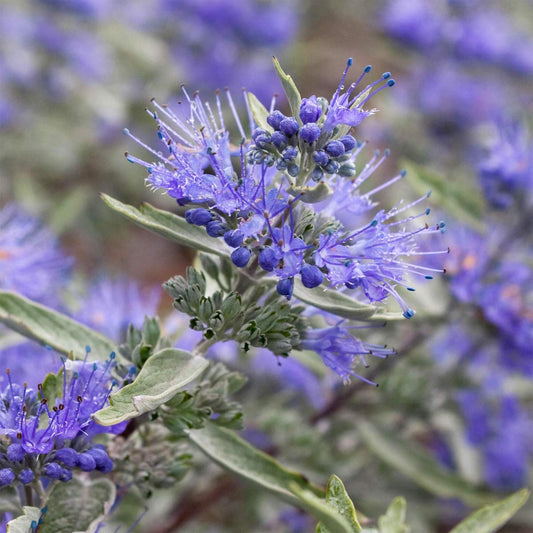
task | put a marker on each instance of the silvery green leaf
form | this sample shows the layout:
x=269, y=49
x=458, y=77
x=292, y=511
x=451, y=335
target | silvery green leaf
x=231, y=452
x=168, y=225
x=51, y=328
x=339, y=304
x=331, y=521
x=418, y=465
x=491, y=517
x=393, y=521
x=259, y=111
x=23, y=523
x=292, y=92
x=337, y=499
x=163, y=374
x=78, y=506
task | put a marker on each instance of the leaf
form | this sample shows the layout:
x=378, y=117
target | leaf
x=233, y=453
x=163, y=374
x=341, y=305
x=337, y=498
x=9, y=500
x=292, y=92
x=330, y=520
x=460, y=199
x=51, y=328
x=78, y=506
x=168, y=225
x=23, y=523
x=394, y=519
x=417, y=464
x=490, y=518
x=259, y=112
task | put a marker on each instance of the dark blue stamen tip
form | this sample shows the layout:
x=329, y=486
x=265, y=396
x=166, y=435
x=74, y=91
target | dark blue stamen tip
x=390, y=83
x=386, y=75
x=408, y=313
x=412, y=289
x=403, y=173
x=428, y=194
x=428, y=211
x=349, y=62
x=368, y=68
x=126, y=131
x=428, y=277
x=374, y=223
x=88, y=349
x=112, y=355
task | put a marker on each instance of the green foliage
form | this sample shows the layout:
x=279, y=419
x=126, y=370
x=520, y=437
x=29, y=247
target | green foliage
x=141, y=344
x=231, y=452
x=191, y=409
x=270, y=323
x=149, y=459
x=393, y=521
x=458, y=198
x=9, y=500
x=23, y=523
x=77, y=506
x=51, y=328
x=259, y=112
x=292, y=92
x=337, y=498
x=341, y=305
x=418, y=465
x=491, y=517
x=168, y=225
x=158, y=381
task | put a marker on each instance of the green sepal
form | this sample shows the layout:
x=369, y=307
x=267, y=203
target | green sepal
x=51, y=328
x=23, y=523
x=259, y=111
x=415, y=463
x=168, y=225
x=78, y=506
x=158, y=381
x=491, y=517
x=292, y=92
x=393, y=521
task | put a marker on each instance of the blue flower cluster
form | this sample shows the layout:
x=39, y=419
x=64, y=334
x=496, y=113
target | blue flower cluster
x=50, y=436
x=469, y=48
x=44, y=46
x=31, y=259
x=292, y=205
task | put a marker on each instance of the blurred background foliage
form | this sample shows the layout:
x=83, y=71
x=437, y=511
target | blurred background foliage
x=74, y=73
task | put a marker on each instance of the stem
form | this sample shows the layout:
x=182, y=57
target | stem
x=28, y=492
x=204, y=345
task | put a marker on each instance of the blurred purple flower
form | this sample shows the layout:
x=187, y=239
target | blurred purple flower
x=111, y=305
x=31, y=259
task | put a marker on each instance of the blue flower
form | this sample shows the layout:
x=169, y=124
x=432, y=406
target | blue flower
x=341, y=351
x=259, y=204
x=507, y=172
x=31, y=259
x=111, y=305
x=51, y=435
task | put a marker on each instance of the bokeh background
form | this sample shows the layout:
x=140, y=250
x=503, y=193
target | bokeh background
x=74, y=73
